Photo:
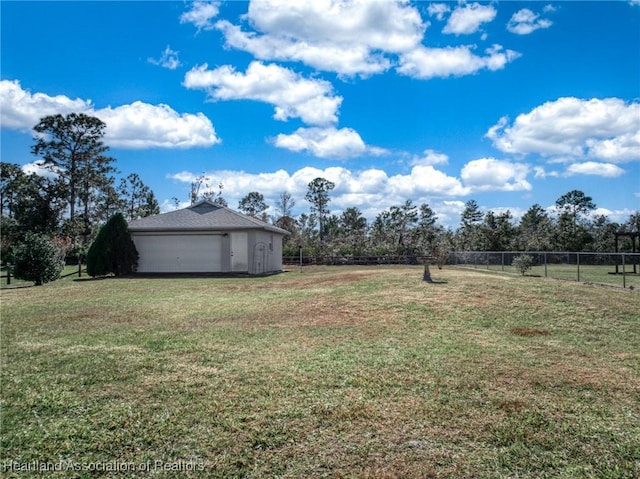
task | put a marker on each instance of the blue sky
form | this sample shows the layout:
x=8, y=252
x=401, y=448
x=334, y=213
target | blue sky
x=508, y=103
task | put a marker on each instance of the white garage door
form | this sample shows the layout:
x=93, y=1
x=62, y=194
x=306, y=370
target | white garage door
x=179, y=253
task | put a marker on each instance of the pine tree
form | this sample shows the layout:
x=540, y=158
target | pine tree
x=113, y=250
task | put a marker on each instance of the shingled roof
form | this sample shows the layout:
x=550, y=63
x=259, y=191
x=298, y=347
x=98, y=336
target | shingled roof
x=202, y=216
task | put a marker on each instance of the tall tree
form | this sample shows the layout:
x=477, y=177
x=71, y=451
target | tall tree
x=34, y=202
x=253, y=205
x=603, y=234
x=285, y=204
x=72, y=147
x=535, y=230
x=427, y=229
x=353, y=229
x=284, y=218
x=393, y=230
x=12, y=182
x=318, y=196
x=138, y=200
x=402, y=220
x=201, y=189
x=468, y=235
x=633, y=223
x=572, y=230
x=575, y=203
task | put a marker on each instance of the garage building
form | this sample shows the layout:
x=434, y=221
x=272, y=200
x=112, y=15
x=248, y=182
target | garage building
x=207, y=238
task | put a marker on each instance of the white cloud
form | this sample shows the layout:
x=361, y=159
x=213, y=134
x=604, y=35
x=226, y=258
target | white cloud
x=140, y=125
x=327, y=142
x=431, y=157
x=292, y=95
x=438, y=10
x=467, y=18
x=524, y=22
x=201, y=14
x=168, y=59
x=37, y=168
x=361, y=37
x=617, y=216
x=22, y=110
x=349, y=37
x=372, y=190
x=489, y=174
x=620, y=148
x=570, y=127
x=540, y=172
x=137, y=125
x=606, y=170
x=426, y=180
x=427, y=62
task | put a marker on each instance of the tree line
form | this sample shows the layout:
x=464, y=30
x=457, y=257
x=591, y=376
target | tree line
x=80, y=194
x=412, y=229
x=77, y=194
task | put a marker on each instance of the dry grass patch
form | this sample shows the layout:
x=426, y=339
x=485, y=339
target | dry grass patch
x=332, y=372
x=526, y=332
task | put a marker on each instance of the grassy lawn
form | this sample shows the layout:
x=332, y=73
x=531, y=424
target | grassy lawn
x=340, y=372
x=600, y=274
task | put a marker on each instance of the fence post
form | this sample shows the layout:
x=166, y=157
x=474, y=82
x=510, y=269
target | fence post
x=79, y=269
x=503, y=261
x=8, y=277
x=578, y=264
x=624, y=278
x=545, y=264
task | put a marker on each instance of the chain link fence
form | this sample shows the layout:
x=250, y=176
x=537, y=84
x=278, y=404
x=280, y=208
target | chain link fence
x=615, y=269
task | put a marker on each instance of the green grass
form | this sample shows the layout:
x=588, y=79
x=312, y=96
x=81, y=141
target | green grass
x=71, y=270
x=597, y=274
x=331, y=372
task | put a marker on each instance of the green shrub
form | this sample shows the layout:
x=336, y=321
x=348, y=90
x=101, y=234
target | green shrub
x=36, y=259
x=113, y=250
x=523, y=263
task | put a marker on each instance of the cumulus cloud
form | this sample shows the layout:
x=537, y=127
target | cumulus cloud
x=140, y=125
x=351, y=37
x=540, y=172
x=467, y=18
x=427, y=62
x=327, y=142
x=372, y=190
x=595, y=168
x=168, y=59
x=489, y=174
x=524, y=22
x=137, y=125
x=606, y=129
x=37, y=167
x=22, y=110
x=426, y=180
x=438, y=10
x=200, y=14
x=360, y=37
x=292, y=95
x=431, y=157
